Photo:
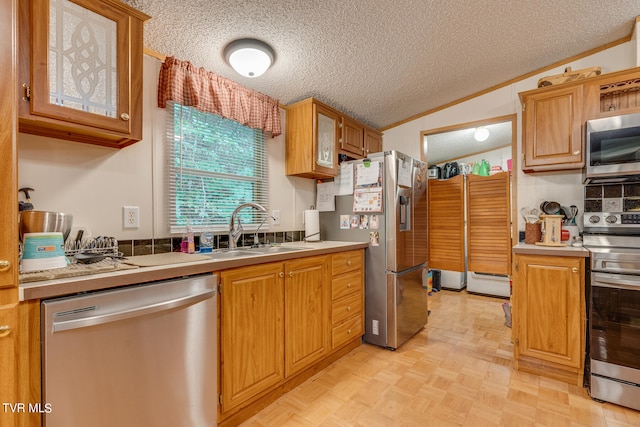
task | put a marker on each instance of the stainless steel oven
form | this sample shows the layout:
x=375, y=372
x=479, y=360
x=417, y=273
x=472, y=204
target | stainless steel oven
x=614, y=318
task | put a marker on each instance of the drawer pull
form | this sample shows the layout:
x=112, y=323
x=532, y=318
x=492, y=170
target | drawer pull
x=349, y=331
x=5, y=265
x=349, y=285
x=4, y=330
x=349, y=262
x=348, y=308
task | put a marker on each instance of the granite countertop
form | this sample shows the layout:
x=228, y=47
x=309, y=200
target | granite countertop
x=142, y=272
x=528, y=249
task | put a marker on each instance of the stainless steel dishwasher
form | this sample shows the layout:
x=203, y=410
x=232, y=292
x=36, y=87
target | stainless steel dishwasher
x=142, y=355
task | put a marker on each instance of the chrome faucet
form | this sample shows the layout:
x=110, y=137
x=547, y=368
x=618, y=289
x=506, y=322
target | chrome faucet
x=236, y=232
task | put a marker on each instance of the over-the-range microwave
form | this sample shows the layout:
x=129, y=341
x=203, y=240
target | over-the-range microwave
x=613, y=149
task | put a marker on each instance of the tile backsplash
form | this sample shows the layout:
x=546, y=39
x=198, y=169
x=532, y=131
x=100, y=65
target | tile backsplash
x=220, y=241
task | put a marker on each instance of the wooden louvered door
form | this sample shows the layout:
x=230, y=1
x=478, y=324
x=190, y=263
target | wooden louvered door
x=489, y=223
x=446, y=224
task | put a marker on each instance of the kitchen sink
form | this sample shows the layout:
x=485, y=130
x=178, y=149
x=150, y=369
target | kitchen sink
x=247, y=252
x=273, y=249
x=236, y=253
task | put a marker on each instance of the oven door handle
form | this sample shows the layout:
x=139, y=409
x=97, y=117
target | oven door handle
x=617, y=281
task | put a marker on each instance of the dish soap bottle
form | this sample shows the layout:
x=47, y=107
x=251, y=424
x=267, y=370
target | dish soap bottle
x=191, y=246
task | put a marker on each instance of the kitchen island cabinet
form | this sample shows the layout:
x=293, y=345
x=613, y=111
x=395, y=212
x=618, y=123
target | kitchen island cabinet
x=93, y=92
x=548, y=315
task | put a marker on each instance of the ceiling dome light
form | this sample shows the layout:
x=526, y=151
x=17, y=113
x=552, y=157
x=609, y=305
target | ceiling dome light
x=249, y=57
x=481, y=134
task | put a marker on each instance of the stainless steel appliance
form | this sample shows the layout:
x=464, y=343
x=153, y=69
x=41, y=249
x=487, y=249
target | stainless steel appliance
x=142, y=355
x=613, y=149
x=395, y=225
x=614, y=318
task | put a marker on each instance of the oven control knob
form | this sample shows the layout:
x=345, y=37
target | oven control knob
x=611, y=219
x=594, y=219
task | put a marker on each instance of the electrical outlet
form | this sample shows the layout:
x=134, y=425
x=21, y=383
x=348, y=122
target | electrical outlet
x=276, y=217
x=130, y=217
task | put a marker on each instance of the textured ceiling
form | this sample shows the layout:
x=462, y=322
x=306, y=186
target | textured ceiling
x=383, y=61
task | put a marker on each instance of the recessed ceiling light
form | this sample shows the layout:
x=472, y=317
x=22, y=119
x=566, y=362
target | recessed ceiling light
x=249, y=57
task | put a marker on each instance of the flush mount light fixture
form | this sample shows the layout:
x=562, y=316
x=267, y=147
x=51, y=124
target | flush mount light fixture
x=481, y=134
x=249, y=57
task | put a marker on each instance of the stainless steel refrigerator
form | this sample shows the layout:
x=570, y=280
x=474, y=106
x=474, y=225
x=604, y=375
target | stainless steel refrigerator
x=389, y=212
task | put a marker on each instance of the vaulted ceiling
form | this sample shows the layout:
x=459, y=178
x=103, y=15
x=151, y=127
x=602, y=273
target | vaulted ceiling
x=382, y=61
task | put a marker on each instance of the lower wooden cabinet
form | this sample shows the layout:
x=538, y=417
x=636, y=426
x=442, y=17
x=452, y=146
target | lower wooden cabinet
x=347, y=297
x=306, y=312
x=8, y=362
x=280, y=322
x=251, y=332
x=548, y=316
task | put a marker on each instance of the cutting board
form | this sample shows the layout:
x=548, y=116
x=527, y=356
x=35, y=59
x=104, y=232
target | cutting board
x=164, y=259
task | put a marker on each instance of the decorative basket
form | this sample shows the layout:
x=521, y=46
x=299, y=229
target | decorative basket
x=569, y=76
x=532, y=233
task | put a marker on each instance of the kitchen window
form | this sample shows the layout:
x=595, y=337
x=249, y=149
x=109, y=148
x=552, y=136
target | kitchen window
x=215, y=164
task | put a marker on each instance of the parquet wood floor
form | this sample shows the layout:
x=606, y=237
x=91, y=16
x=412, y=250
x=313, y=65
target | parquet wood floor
x=458, y=371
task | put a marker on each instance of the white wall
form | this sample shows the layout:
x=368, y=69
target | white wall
x=564, y=187
x=93, y=183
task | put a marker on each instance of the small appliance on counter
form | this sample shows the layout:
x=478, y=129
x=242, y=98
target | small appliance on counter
x=551, y=230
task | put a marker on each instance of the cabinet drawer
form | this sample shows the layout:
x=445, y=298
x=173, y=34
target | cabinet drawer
x=346, y=307
x=346, y=332
x=346, y=284
x=346, y=261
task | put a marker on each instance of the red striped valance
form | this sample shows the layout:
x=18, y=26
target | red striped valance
x=182, y=82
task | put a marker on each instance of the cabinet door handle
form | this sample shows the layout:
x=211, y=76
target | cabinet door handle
x=349, y=331
x=349, y=308
x=5, y=265
x=349, y=262
x=281, y=274
x=349, y=285
x=291, y=274
x=4, y=330
x=574, y=269
x=576, y=153
x=125, y=117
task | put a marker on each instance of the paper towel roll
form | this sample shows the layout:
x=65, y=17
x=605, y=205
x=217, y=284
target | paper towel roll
x=312, y=225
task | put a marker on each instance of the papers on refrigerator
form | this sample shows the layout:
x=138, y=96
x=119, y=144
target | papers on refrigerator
x=367, y=200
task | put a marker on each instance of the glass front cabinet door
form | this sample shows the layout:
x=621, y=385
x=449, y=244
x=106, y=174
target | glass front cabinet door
x=326, y=155
x=82, y=78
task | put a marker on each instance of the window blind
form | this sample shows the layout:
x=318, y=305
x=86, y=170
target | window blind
x=214, y=165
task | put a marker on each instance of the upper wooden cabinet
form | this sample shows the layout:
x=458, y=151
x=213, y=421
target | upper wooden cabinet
x=372, y=141
x=612, y=94
x=552, y=123
x=312, y=140
x=317, y=133
x=8, y=158
x=81, y=79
